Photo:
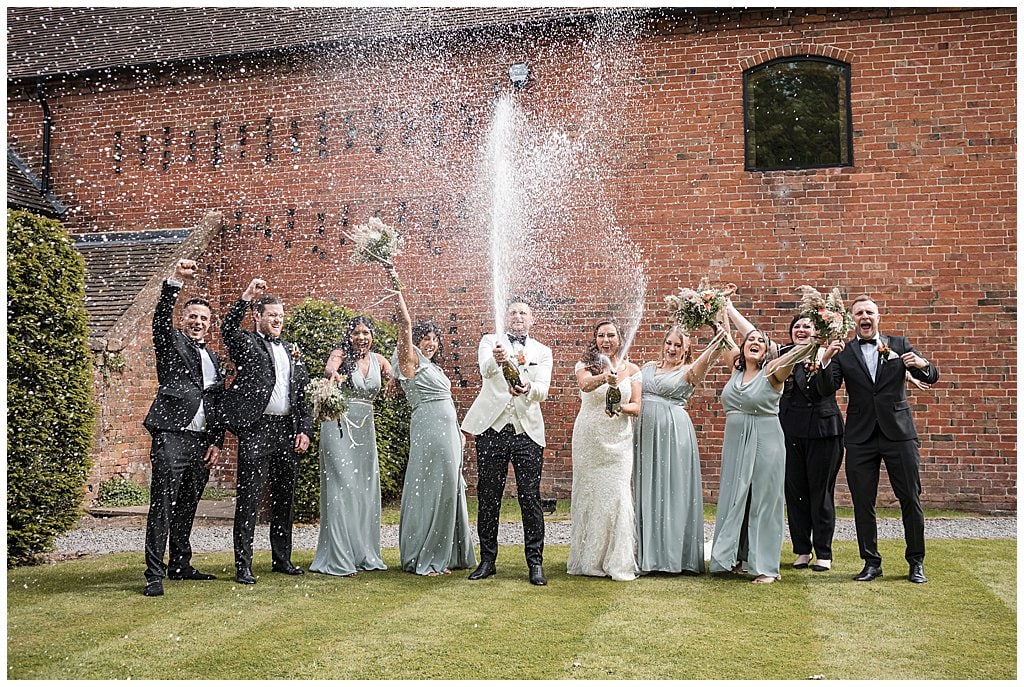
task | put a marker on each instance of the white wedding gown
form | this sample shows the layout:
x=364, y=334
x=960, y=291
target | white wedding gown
x=603, y=538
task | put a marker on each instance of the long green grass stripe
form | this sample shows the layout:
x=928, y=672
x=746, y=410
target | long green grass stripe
x=87, y=619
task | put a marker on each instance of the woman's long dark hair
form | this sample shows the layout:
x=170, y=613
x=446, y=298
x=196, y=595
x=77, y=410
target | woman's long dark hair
x=592, y=356
x=349, y=363
x=421, y=329
x=741, y=360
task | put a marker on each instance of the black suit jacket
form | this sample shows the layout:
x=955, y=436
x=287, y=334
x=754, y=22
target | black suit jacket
x=882, y=402
x=249, y=392
x=179, y=370
x=804, y=411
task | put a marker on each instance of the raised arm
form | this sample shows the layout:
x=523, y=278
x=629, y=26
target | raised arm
x=163, y=315
x=699, y=368
x=731, y=350
x=407, y=359
x=777, y=370
x=742, y=324
x=236, y=314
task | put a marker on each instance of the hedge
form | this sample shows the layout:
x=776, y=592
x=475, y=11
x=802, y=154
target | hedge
x=317, y=327
x=50, y=408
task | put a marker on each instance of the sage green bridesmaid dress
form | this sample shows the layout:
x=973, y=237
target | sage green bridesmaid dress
x=754, y=471
x=667, y=489
x=433, y=533
x=350, y=483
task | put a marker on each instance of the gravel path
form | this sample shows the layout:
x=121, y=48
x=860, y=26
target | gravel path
x=111, y=538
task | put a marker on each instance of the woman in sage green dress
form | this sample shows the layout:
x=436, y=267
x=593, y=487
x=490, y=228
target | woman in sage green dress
x=434, y=536
x=349, y=472
x=751, y=516
x=667, y=489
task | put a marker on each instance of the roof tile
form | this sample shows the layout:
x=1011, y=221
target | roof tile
x=45, y=41
x=117, y=266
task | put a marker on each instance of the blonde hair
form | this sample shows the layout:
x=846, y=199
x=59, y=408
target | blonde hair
x=685, y=337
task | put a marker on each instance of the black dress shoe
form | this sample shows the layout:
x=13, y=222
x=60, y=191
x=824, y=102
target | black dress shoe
x=537, y=576
x=244, y=576
x=288, y=569
x=869, y=573
x=485, y=569
x=190, y=573
x=917, y=573
x=154, y=588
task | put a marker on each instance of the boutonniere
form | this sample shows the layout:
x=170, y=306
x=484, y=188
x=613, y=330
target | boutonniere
x=885, y=353
x=521, y=358
x=296, y=353
x=813, y=367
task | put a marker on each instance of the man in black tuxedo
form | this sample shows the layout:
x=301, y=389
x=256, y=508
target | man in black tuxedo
x=265, y=408
x=880, y=427
x=186, y=428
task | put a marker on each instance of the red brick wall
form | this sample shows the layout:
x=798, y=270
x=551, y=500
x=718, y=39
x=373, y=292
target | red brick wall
x=125, y=389
x=123, y=398
x=925, y=219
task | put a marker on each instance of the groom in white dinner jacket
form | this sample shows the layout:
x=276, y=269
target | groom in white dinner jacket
x=509, y=427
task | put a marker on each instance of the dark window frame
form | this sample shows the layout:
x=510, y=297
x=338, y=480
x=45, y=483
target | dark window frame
x=847, y=73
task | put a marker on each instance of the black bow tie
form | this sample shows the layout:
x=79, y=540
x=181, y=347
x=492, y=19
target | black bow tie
x=197, y=343
x=272, y=339
x=865, y=342
x=521, y=340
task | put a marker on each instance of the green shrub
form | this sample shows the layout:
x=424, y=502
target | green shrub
x=317, y=327
x=50, y=409
x=118, y=492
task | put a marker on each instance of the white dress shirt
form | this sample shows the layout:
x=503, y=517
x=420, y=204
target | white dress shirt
x=278, y=404
x=198, y=423
x=870, y=356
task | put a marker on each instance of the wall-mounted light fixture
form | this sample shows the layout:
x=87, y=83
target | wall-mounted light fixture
x=519, y=74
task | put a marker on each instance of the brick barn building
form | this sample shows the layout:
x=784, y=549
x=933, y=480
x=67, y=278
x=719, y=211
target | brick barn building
x=253, y=139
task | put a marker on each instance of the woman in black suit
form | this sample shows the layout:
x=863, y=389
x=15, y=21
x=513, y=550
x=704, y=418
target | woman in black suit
x=814, y=451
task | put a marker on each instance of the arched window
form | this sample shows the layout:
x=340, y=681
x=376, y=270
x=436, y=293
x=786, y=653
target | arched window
x=796, y=113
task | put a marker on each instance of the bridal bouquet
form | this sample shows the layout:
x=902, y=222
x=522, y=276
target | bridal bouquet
x=693, y=309
x=327, y=400
x=828, y=315
x=375, y=242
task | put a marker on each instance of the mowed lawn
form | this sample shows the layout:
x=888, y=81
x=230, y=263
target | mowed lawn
x=87, y=619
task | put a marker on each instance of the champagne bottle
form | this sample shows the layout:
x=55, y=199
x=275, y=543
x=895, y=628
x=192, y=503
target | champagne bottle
x=613, y=400
x=511, y=374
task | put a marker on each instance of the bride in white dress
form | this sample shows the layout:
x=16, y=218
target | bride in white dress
x=603, y=539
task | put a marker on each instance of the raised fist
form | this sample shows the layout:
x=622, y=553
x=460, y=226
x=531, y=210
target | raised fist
x=185, y=270
x=256, y=288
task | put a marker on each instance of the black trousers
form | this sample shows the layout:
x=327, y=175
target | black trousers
x=266, y=451
x=812, y=466
x=494, y=451
x=902, y=460
x=178, y=480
